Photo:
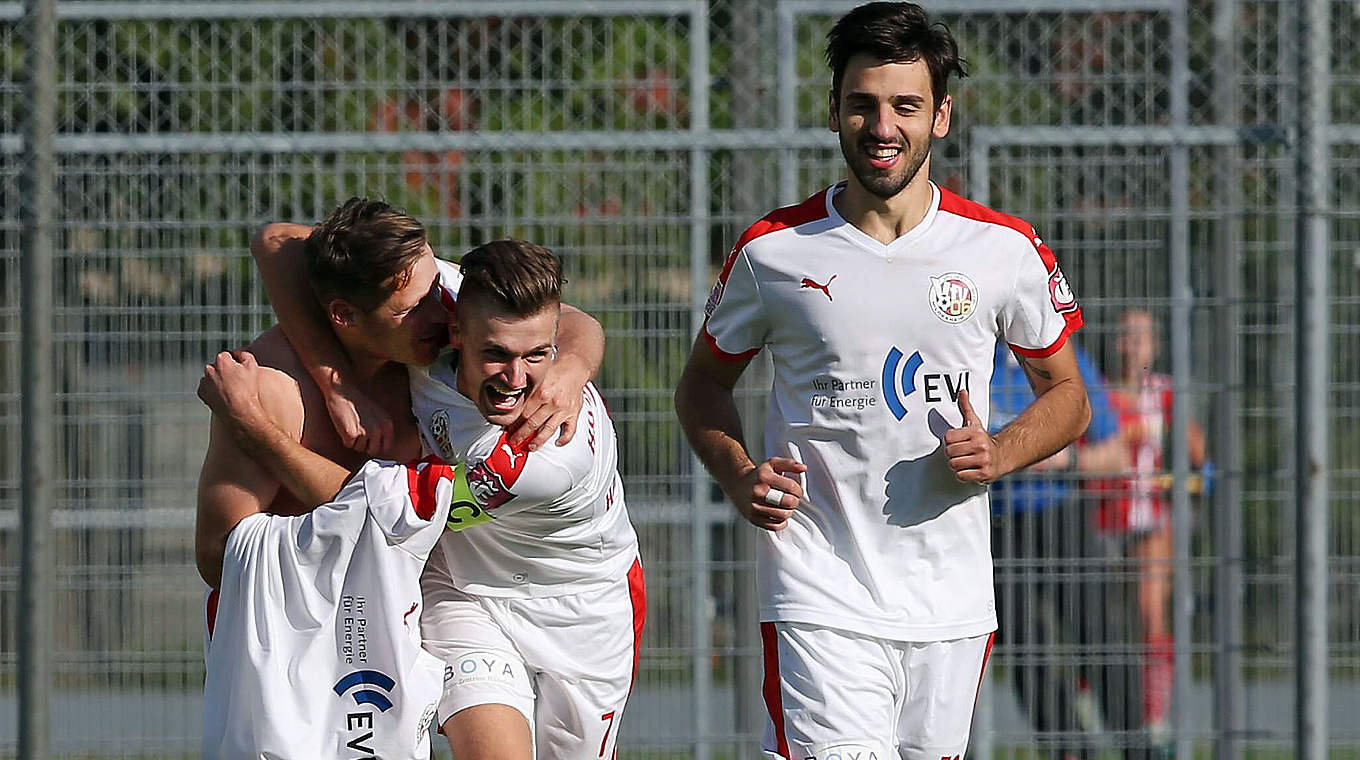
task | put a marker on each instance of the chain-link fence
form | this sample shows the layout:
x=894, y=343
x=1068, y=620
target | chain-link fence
x=1149, y=141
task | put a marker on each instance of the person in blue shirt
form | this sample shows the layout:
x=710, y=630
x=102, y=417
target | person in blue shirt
x=1052, y=592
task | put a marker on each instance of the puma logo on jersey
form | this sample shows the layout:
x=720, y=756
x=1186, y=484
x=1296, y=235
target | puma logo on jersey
x=408, y=613
x=807, y=283
x=509, y=452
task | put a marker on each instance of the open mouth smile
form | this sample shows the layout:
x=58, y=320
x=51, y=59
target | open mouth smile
x=503, y=401
x=882, y=156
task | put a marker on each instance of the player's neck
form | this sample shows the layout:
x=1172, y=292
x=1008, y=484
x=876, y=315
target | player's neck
x=886, y=219
x=366, y=365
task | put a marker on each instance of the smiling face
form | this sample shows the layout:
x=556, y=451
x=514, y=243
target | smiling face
x=885, y=116
x=410, y=326
x=502, y=357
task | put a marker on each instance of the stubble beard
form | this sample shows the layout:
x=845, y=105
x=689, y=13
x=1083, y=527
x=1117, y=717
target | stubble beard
x=885, y=185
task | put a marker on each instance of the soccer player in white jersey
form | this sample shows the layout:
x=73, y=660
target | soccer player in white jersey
x=369, y=273
x=880, y=299
x=534, y=598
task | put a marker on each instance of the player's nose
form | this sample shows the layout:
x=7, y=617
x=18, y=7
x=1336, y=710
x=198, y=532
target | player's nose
x=516, y=370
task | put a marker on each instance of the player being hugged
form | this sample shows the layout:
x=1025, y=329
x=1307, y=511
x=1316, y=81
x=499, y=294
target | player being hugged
x=880, y=299
x=313, y=647
x=534, y=596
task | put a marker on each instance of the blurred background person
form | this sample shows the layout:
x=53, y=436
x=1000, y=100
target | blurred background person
x=1041, y=542
x=1135, y=511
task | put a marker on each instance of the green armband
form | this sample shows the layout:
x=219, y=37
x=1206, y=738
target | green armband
x=464, y=512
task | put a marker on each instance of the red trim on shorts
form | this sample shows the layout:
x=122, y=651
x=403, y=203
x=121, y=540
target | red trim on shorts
x=637, y=594
x=986, y=655
x=774, y=700
x=211, y=611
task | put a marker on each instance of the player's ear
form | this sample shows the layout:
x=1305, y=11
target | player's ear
x=942, y=115
x=455, y=334
x=341, y=313
x=833, y=116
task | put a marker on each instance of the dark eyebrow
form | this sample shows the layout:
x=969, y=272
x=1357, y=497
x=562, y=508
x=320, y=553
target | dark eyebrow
x=907, y=99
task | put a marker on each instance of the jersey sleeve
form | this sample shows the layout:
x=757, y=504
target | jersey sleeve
x=325, y=535
x=735, y=325
x=1042, y=310
x=409, y=503
x=512, y=479
x=450, y=279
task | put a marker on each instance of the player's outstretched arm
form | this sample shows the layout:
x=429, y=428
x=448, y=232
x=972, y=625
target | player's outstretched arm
x=556, y=403
x=708, y=414
x=231, y=387
x=1058, y=415
x=278, y=252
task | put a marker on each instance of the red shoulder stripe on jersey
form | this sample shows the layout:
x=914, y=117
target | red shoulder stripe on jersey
x=421, y=483
x=810, y=210
x=1074, y=323
x=637, y=594
x=774, y=699
x=960, y=206
x=955, y=204
x=507, y=459
x=211, y=611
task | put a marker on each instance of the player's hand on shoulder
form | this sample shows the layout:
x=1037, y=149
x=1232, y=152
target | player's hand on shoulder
x=972, y=451
x=554, y=405
x=362, y=423
x=767, y=495
x=230, y=387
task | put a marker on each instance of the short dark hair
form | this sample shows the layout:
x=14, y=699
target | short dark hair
x=363, y=252
x=517, y=276
x=894, y=33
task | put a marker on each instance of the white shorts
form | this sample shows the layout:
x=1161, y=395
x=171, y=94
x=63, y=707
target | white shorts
x=567, y=663
x=833, y=694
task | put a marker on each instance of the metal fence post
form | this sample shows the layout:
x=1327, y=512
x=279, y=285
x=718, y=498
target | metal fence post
x=37, y=446
x=700, y=528
x=1181, y=301
x=1229, y=689
x=1312, y=344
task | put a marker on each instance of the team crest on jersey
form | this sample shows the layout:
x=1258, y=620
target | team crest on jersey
x=491, y=479
x=952, y=297
x=439, y=431
x=487, y=486
x=714, y=297
x=1059, y=292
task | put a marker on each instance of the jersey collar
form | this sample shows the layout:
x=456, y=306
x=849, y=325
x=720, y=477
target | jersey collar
x=865, y=241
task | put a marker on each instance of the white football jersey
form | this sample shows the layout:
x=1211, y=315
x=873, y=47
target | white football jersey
x=542, y=523
x=871, y=344
x=314, y=648
x=450, y=277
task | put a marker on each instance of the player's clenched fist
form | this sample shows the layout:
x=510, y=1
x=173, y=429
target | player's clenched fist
x=766, y=495
x=231, y=388
x=971, y=449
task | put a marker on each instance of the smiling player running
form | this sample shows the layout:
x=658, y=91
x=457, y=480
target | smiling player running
x=880, y=300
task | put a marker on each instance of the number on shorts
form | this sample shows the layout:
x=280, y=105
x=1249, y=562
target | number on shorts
x=608, y=718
